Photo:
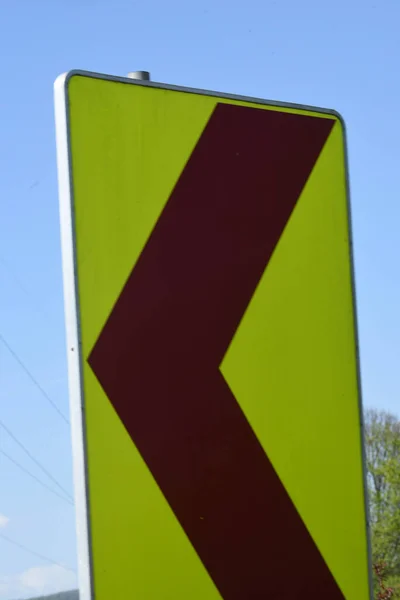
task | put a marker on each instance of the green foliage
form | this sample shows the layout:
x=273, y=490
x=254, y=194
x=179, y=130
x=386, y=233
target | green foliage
x=382, y=437
x=383, y=589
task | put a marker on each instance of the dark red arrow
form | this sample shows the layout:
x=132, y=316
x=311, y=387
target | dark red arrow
x=159, y=354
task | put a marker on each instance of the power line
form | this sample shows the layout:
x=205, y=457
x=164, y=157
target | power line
x=34, y=553
x=27, y=472
x=37, y=463
x=33, y=379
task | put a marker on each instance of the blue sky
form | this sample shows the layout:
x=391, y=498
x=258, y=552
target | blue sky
x=343, y=55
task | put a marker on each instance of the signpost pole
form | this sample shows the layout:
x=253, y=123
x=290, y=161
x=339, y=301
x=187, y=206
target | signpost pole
x=140, y=75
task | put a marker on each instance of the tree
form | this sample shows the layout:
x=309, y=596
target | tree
x=383, y=591
x=382, y=440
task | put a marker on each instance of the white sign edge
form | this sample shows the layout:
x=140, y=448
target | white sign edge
x=74, y=355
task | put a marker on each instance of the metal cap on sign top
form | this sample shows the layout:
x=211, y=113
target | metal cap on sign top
x=141, y=75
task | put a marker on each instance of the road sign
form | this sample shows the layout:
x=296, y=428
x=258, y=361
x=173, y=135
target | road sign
x=212, y=345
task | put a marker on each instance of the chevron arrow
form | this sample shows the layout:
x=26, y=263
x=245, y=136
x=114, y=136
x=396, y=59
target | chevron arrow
x=159, y=354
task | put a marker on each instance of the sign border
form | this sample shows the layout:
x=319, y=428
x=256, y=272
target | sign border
x=72, y=311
